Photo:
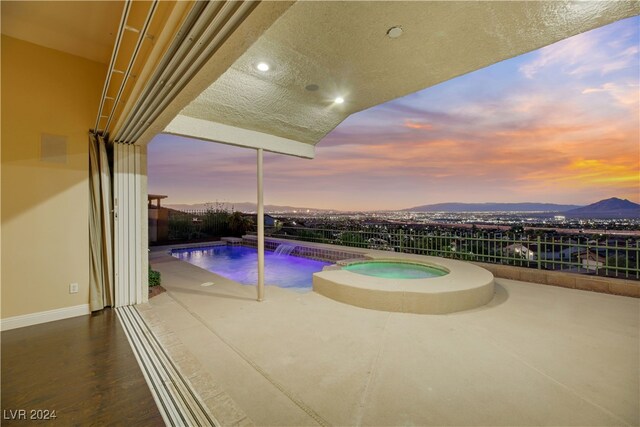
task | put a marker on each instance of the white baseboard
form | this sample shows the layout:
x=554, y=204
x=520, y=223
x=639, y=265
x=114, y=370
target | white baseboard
x=43, y=317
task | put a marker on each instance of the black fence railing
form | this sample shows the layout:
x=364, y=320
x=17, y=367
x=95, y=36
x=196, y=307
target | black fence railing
x=618, y=257
x=196, y=225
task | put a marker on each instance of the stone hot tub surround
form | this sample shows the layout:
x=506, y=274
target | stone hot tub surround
x=466, y=286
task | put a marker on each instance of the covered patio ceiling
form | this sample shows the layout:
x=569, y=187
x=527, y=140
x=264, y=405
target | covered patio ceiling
x=318, y=52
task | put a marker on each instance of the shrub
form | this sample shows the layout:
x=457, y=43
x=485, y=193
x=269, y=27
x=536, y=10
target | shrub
x=154, y=277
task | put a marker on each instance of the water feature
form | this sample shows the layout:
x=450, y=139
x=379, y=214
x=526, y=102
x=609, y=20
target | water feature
x=284, y=249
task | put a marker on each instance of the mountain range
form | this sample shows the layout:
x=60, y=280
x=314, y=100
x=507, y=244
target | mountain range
x=241, y=207
x=493, y=207
x=608, y=208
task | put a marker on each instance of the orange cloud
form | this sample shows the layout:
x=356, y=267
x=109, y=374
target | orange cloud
x=611, y=176
x=603, y=172
x=415, y=125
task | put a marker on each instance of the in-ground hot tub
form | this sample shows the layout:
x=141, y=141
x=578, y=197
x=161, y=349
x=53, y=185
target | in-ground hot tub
x=395, y=269
x=406, y=283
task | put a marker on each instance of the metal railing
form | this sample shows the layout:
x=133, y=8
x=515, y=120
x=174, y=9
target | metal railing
x=193, y=225
x=619, y=257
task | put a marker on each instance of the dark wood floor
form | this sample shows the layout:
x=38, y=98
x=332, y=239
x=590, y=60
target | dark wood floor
x=83, y=368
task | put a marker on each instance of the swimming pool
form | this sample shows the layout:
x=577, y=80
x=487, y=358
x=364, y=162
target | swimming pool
x=240, y=263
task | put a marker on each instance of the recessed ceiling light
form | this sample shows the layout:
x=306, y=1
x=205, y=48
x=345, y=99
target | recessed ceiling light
x=263, y=66
x=339, y=100
x=394, y=32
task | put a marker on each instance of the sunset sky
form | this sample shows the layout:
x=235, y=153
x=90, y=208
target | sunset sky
x=559, y=125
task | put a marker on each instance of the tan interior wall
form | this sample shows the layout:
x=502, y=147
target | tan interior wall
x=45, y=238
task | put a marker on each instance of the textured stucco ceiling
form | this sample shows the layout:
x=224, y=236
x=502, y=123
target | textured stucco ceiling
x=343, y=48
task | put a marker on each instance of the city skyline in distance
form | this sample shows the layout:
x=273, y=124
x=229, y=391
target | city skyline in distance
x=611, y=208
x=558, y=125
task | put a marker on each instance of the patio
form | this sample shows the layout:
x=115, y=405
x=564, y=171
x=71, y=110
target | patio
x=535, y=355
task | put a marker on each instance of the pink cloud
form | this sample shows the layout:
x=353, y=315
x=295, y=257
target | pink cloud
x=411, y=124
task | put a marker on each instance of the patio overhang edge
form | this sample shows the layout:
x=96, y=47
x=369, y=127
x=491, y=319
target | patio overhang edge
x=190, y=127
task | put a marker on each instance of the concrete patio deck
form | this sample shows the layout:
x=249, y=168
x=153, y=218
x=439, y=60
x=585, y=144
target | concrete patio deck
x=535, y=355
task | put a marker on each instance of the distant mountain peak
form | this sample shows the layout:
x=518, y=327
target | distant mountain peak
x=616, y=202
x=613, y=207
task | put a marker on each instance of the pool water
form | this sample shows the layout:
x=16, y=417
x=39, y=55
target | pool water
x=395, y=270
x=240, y=263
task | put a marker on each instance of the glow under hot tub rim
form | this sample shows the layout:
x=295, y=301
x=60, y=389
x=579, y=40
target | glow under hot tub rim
x=460, y=285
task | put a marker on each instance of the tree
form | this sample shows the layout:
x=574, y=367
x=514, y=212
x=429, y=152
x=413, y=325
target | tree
x=238, y=224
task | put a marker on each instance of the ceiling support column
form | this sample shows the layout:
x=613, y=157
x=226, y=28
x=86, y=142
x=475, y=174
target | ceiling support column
x=260, y=221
